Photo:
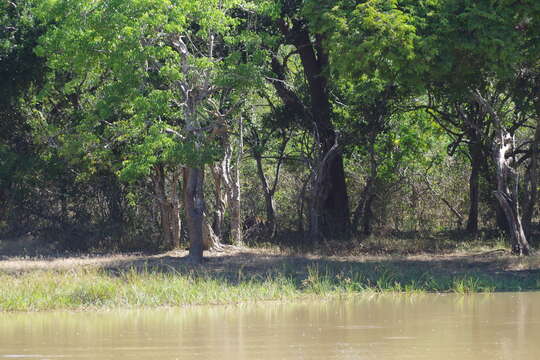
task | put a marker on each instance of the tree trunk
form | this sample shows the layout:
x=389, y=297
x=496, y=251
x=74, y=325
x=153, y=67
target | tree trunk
x=363, y=213
x=194, y=206
x=314, y=222
x=169, y=206
x=175, y=210
x=211, y=241
x=221, y=200
x=335, y=212
x=317, y=194
x=367, y=219
x=363, y=210
x=212, y=234
x=300, y=205
x=115, y=196
x=474, y=188
x=508, y=199
x=532, y=176
x=268, y=196
x=333, y=208
x=235, y=196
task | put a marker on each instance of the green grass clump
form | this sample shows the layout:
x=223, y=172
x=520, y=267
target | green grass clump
x=469, y=285
x=91, y=289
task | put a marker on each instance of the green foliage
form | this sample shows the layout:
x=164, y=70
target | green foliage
x=468, y=43
x=94, y=88
x=374, y=38
x=414, y=142
x=125, y=71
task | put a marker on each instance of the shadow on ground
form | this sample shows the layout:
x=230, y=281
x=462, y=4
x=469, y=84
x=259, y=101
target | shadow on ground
x=495, y=269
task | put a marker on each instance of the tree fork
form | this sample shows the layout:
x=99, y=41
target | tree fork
x=334, y=206
x=508, y=199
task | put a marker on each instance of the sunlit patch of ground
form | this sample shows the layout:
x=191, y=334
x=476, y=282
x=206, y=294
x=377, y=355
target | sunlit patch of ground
x=14, y=264
x=263, y=260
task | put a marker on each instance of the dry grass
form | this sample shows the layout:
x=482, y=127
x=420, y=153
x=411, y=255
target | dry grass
x=263, y=260
x=19, y=264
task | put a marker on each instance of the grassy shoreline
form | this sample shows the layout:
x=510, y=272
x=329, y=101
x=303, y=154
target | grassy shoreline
x=247, y=276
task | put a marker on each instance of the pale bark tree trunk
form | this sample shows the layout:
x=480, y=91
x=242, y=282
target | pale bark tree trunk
x=268, y=197
x=508, y=199
x=221, y=172
x=235, y=195
x=227, y=191
x=268, y=187
x=196, y=89
x=169, y=205
x=532, y=175
x=301, y=204
x=212, y=233
x=363, y=210
x=175, y=210
x=159, y=190
x=211, y=241
x=194, y=207
x=221, y=190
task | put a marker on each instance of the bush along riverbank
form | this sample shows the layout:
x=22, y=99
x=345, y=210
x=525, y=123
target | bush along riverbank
x=246, y=277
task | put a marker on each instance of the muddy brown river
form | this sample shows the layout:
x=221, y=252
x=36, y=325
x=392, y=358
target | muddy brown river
x=484, y=326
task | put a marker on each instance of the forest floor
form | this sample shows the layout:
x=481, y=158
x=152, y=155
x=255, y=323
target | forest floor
x=263, y=260
x=241, y=274
x=429, y=254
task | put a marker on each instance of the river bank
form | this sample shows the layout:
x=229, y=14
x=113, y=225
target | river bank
x=241, y=275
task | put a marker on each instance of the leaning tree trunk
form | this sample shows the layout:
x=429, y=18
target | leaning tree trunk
x=508, y=199
x=211, y=240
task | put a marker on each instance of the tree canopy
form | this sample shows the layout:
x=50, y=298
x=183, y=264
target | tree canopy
x=339, y=116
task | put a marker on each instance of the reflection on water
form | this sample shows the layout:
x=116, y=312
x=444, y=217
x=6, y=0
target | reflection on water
x=491, y=326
